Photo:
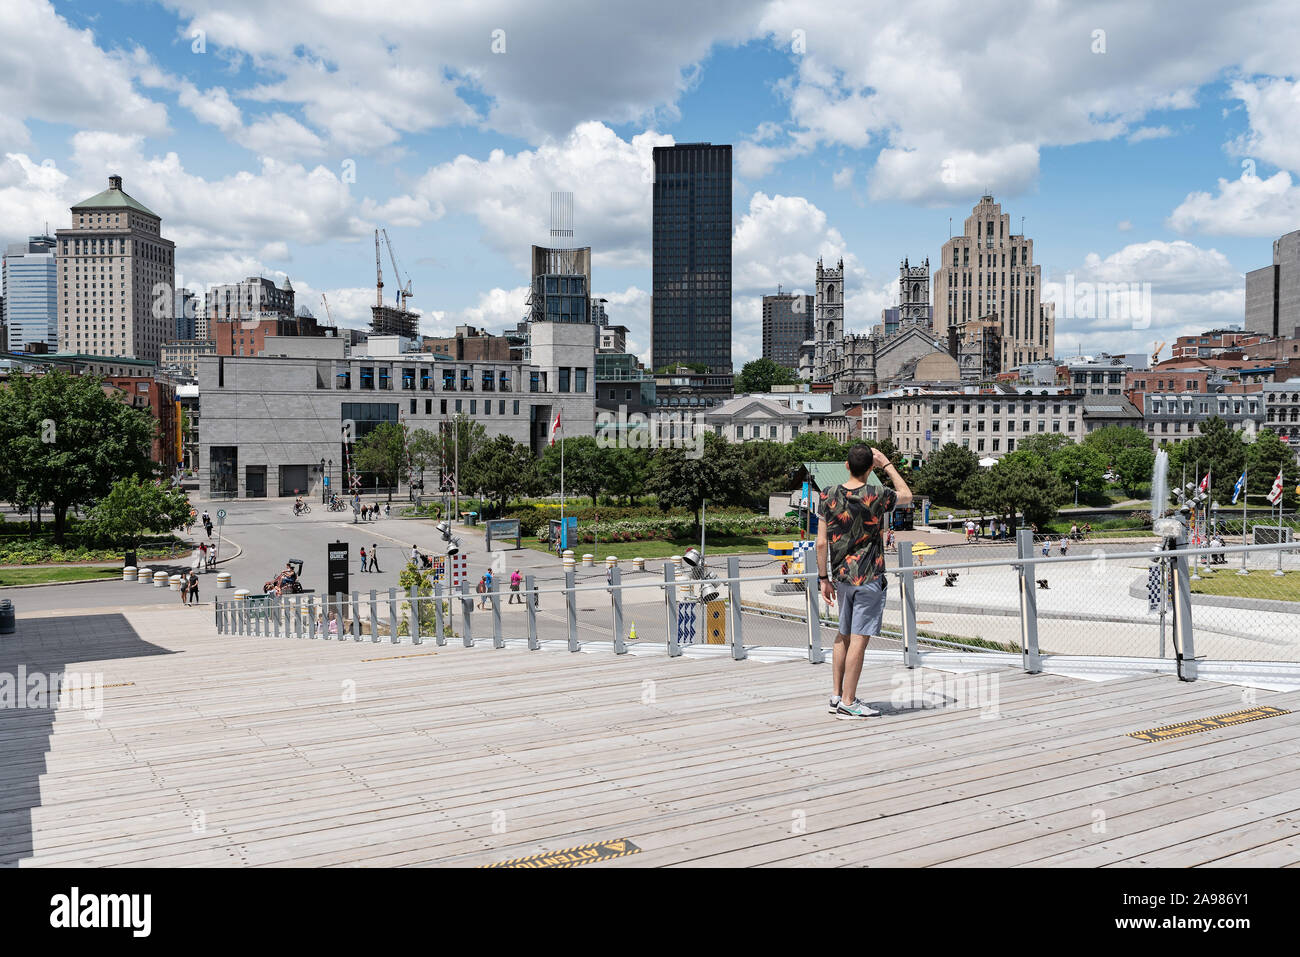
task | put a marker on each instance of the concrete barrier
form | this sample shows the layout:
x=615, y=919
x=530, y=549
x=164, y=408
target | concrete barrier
x=588, y=559
x=639, y=564
x=241, y=594
x=611, y=561
x=146, y=576
x=160, y=579
x=223, y=580
x=175, y=582
x=129, y=573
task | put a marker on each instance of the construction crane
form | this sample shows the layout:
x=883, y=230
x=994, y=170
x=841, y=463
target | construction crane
x=329, y=317
x=403, y=290
x=1155, y=354
x=379, y=276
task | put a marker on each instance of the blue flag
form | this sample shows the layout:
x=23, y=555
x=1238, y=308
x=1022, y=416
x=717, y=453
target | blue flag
x=1238, y=488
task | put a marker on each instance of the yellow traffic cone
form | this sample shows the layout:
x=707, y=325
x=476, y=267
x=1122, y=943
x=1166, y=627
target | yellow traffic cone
x=632, y=634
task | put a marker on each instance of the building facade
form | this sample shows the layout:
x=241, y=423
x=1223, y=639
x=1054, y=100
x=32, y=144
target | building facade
x=1273, y=291
x=914, y=306
x=1176, y=415
x=249, y=449
x=116, y=278
x=988, y=271
x=181, y=356
x=31, y=294
x=787, y=324
x=750, y=418
x=691, y=257
x=1282, y=411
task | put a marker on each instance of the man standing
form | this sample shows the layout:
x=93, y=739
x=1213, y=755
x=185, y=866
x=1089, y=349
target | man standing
x=374, y=558
x=851, y=565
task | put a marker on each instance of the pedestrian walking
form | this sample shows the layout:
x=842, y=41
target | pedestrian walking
x=851, y=564
x=1065, y=546
x=1047, y=547
x=203, y=555
x=415, y=556
x=388, y=510
x=481, y=588
x=193, y=587
x=516, y=580
x=363, y=558
x=374, y=558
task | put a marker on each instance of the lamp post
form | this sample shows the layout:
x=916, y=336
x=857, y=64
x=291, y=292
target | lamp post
x=1213, y=530
x=1076, y=493
x=324, y=483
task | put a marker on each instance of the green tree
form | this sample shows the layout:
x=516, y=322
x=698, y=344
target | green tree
x=499, y=469
x=65, y=442
x=1110, y=440
x=1081, y=463
x=1133, y=465
x=1267, y=456
x=679, y=481
x=946, y=471
x=759, y=375
x=628, y=469
x=767, y=467
x=382, y=451
x=1044, y=444
x=586, y=467
x=1218, y=449
x=1020, y=483
x=816, y=447
x=135, y=508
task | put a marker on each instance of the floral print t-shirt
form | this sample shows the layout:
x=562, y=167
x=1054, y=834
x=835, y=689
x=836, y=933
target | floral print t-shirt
x=855, y=526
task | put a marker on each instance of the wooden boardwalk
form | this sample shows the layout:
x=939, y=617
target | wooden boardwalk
x=245, y=751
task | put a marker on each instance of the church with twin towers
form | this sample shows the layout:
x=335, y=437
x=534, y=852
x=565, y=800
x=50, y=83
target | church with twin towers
x=985, y=317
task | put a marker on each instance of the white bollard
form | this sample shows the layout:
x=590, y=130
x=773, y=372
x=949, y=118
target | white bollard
x=160, y=579
x=241, y=594
x=611, y=561
x=175, y=582
x=129, y=573
x=568, y=554
x=223, y=579
x=146, y=576
x=677, y=562
x=639, y=564
x=587, y=559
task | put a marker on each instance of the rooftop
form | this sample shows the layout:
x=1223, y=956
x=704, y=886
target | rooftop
x=114, y=198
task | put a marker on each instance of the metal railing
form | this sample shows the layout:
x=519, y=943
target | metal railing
x=1166, y=606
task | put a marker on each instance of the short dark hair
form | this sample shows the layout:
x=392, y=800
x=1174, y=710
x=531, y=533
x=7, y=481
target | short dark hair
x=861, y=459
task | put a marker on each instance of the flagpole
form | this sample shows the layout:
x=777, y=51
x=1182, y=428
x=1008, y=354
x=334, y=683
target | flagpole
x=1245, y=486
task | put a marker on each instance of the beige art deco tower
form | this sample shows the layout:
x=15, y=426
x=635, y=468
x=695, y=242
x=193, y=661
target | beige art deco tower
x=116, y=276
x=988, y=272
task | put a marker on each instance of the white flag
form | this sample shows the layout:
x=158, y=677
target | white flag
x=1275, y=493
x=555, y=428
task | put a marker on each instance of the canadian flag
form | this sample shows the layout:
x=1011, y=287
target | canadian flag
x=555, y=428
x=1205, y=483
x=1275, y=493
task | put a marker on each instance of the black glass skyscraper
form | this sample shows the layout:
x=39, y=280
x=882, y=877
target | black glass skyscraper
x=691, y=308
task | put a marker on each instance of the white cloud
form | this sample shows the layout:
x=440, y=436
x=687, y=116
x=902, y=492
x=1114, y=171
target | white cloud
x=1124, y=226
x=32, y=194
x=843, y=178
x=1150, y=133
x=1248, y=206
x=56, y=74
x=1274, y=135
x=934, y=174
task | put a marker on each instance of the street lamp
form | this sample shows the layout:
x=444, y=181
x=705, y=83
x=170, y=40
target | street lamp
x=1076, y=493
x=324, y=485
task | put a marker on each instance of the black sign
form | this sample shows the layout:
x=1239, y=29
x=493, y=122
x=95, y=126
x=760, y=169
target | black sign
x=337, y=564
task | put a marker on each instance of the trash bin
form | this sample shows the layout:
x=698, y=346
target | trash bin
x=471, y=518
x=6, y=617
x=129, y=558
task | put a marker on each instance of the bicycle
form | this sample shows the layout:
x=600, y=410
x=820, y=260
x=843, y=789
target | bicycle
x=302, y=508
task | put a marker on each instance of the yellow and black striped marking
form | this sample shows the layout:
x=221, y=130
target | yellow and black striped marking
x=425, y=654
x=575, y=856
x=1208, y=724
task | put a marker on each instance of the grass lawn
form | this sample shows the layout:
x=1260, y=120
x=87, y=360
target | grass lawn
x=662, y=548
x=1256, y=584
x=41, y=576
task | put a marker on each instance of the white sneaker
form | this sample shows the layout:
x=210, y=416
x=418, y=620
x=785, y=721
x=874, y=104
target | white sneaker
x=834, y=704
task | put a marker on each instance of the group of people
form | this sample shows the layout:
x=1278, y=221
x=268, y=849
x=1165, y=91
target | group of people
x=372, y=556
x=370, y=512
x=484, y=589
x=999, y=529
x=190, y=588
x=1078, y=534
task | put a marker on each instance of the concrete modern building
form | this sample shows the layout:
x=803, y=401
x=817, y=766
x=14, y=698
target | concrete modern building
x=116, y=278
x=684, y=389
x=787, y=324
x=988, y=271
x=31, y=293
x=691, y=257
x=613, y=339
x=1273, y=291
x=188, y=315
x=622, y=382
x=270, y=421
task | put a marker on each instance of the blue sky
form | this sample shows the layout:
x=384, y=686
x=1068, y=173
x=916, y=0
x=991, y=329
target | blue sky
x=1139, y=148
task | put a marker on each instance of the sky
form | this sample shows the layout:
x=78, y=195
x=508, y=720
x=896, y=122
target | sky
x=1149, y=146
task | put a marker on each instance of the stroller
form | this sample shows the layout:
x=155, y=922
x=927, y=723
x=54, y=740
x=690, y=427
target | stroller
x=291, y=587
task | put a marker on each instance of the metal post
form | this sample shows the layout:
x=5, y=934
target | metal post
x=738, y=652
x=276, y=610
x=413, y=615
x=670, y=603
x=354, y=618
x=812, y=611
x=571, y=606
x=495, y=596
x=311, y=616
x=216, y=614
x=466, y=610
x=392, y=616
x=374, y=618
x=907, y=585
x=532, y=612
x=616, y=606
x=1185, y=652
x=1028, y=603
x=440, y=634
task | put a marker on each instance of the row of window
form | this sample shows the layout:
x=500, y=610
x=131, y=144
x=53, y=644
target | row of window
x=569, y=379
x=458, y=406
x=979, y=407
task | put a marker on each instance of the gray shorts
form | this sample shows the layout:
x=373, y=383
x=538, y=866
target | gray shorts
x=861, y=607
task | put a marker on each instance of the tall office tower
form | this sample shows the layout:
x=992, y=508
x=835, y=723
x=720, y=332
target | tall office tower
x=116, y=278
x=1273, y=292
x=559, y=289
x=787, y=324
x=31, y=290
x=691, y=275
x=828, y=321
x=988, y=272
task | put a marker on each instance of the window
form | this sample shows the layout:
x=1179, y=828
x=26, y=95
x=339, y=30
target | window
x=458, y=406
x=428, y=407
x=755, y=431
x=408, y=378
x=385, y=377
x=449, y=380
x=771, y=431
x=489, y=380
x=466, y=380
x=564, y=379
x=367, y=377
x=1042, y=426
x=473, y=406
x=442, y=408
x=580, y=379
x=425, y=384
x=503, y=382
x=412, y=407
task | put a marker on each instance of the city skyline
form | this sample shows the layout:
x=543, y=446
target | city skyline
x=1181, y=183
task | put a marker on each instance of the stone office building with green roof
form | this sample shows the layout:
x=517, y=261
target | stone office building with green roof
x=113, y=266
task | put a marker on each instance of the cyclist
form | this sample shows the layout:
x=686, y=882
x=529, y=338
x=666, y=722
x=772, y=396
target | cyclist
x=298, y=506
